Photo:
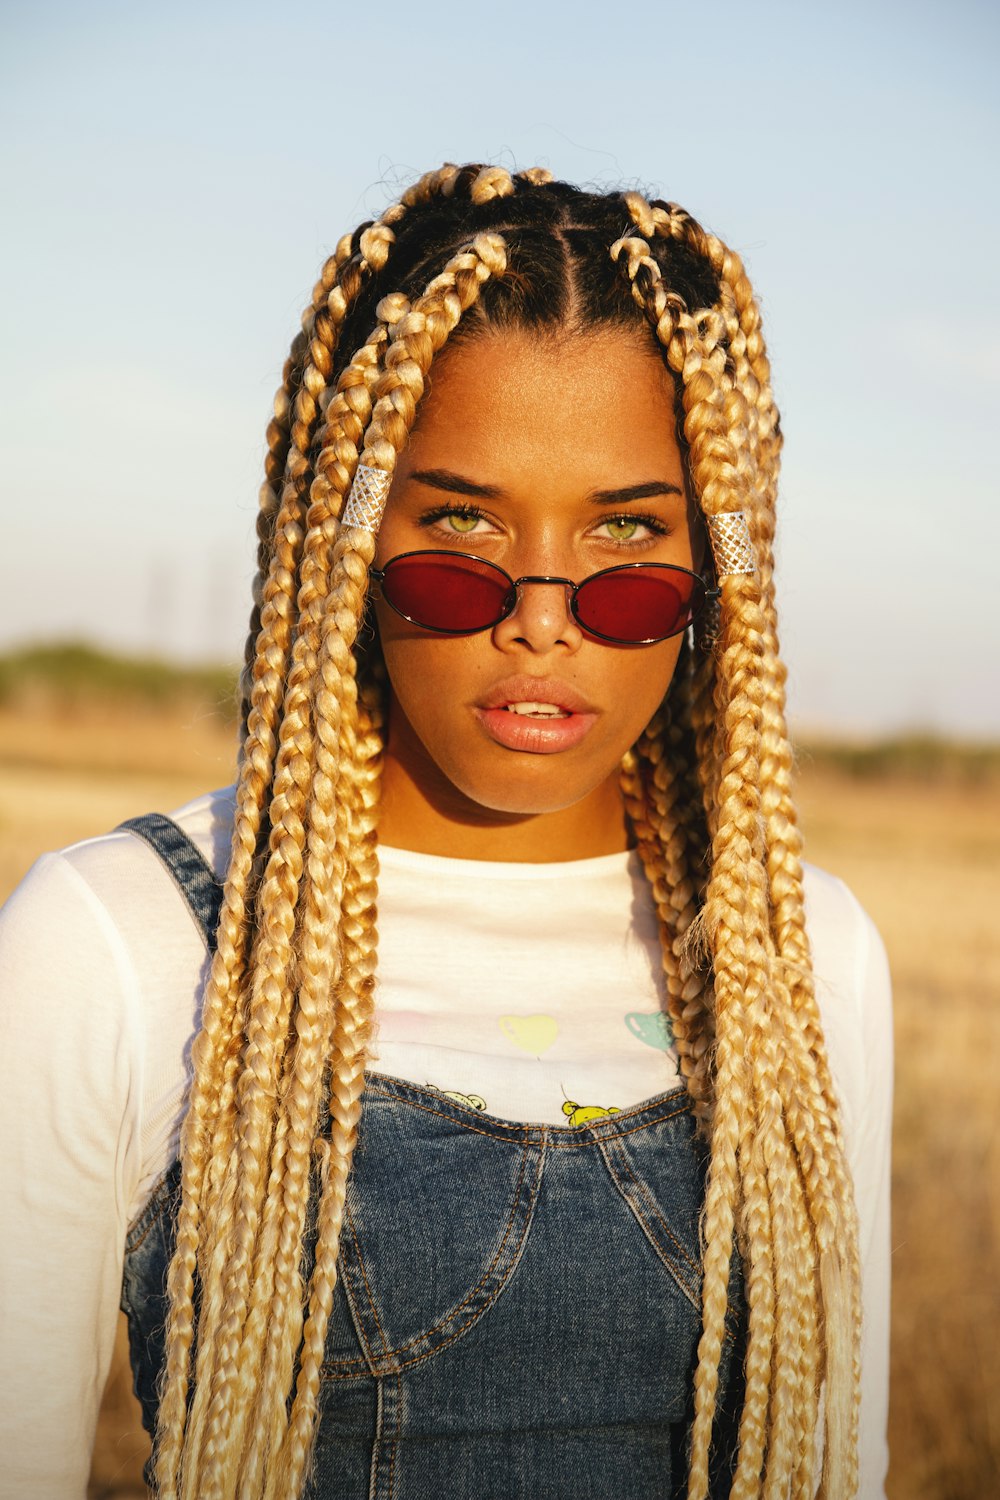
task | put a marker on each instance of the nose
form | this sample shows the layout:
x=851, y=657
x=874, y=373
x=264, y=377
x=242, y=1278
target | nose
x=541, y=618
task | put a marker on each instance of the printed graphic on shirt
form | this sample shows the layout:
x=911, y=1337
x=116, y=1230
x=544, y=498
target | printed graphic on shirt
x=534, y=1034
x=474, y=1101
x=652, y=1027
x=582, y=1114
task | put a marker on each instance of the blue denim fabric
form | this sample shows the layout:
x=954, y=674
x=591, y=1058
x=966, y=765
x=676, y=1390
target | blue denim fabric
x=517, y=1310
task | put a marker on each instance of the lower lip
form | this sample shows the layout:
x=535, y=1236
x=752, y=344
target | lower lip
x=537, y=736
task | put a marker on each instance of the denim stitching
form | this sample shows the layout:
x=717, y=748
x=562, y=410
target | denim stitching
x=344, y=1367
x=642, y=1188
x=394, y=1450
x=369, y=1363
x=364, y=1277
x=642, y=1213
x=376, y=1443
x=453, y=1312
x=618, y=1135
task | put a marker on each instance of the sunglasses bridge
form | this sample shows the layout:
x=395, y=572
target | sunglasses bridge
x=516, y=583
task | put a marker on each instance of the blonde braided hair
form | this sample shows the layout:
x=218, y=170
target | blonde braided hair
x=287, y=1013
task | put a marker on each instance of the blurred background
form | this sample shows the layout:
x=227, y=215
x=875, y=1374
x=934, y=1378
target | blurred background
x=173, y=178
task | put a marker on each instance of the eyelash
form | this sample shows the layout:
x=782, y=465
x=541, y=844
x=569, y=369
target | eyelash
x=654, y=524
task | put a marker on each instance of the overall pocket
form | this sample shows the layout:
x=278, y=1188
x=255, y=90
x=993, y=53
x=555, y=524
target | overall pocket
x=439, y=1206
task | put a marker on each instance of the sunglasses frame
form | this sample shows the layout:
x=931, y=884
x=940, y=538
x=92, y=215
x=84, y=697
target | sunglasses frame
x=378, y=574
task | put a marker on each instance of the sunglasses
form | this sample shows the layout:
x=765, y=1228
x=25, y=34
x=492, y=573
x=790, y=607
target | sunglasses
x=633, y=604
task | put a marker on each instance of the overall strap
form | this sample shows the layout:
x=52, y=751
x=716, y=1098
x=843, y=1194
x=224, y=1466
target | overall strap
x=191, y=872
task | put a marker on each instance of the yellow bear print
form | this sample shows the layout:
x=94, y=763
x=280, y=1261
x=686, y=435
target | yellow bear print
x=472, y=1101
x=582, y=1114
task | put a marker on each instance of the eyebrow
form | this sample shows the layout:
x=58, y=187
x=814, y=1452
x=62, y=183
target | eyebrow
x=456, y=484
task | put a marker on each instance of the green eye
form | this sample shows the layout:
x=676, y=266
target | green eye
x=622, y=528
x=462, y=523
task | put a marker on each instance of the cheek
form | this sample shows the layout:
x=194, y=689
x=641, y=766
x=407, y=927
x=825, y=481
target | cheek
x=644, y=677
x=430, y=675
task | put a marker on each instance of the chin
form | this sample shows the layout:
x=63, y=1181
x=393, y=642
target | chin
x=517, y=798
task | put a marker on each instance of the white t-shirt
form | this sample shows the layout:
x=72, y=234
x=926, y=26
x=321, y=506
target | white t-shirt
x=533, y=991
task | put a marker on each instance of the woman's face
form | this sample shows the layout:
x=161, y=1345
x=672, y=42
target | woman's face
x=547, y=456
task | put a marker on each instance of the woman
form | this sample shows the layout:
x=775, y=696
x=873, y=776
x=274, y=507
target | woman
x=590, y=1223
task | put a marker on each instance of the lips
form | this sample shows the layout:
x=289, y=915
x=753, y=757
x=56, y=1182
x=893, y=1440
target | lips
x=538, y=715
x=546, y=691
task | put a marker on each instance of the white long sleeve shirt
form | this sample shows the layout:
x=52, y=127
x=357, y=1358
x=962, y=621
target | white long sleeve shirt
x=101, y=977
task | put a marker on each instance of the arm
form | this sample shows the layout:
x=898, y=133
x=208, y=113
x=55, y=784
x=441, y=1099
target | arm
x=852, y=987
x=69, y=1112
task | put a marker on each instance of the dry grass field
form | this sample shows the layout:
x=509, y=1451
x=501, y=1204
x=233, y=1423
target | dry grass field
x=922, y=853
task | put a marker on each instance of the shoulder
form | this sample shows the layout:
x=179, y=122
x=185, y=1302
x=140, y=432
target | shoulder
x=96, y=895
x=95, y=872
x=87, y=919
x=102, y=969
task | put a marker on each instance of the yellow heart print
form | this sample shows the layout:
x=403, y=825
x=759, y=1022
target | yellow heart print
x=534, y=1034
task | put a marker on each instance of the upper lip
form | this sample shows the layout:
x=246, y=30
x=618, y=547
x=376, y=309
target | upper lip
x=535, y=690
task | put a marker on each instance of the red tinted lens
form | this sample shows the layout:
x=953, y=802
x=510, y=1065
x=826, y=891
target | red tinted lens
x=442, y=592
x=632, y=605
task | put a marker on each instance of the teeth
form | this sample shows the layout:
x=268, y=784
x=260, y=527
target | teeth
x=537, y=710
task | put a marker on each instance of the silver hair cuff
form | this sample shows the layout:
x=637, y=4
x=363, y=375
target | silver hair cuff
x=732, y=548
x=365, y=504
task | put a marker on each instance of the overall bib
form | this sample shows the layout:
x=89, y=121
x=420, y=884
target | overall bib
x=518, y=1306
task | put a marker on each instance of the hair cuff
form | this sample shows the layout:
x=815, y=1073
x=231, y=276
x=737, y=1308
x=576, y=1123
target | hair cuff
x=365, y=505
x=732, y=547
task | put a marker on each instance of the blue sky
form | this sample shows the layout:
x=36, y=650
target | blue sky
x=173, y=177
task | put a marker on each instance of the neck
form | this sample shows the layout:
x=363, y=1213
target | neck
x=429, y=816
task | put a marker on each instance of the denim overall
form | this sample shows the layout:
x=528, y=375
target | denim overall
x=517, y=1309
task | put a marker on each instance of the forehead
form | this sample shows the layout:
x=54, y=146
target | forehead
x=598, y=406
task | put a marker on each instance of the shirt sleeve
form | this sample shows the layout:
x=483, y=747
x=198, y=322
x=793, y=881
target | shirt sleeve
x=69, y=1113
x=870, y=1152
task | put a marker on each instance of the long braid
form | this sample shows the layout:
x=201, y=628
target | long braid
x=322, y=961
x=419, y=334
x=305, y=873
x=274, y=1323
x=772, y=1371
x=831, y=1191
x=659, y=781
x=280, y=530
x=274, y=1273
x=216, y=1053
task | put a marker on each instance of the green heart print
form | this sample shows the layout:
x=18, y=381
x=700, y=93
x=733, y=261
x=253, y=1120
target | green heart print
x=651, y=1027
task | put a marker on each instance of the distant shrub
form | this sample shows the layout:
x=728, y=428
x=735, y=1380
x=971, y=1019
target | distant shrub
x=76, y=675
x=924, y=757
